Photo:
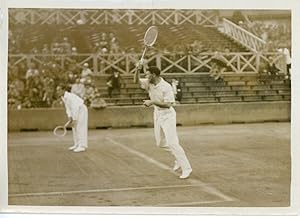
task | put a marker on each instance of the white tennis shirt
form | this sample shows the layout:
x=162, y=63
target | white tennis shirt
x=162, y=91
x=72, y=104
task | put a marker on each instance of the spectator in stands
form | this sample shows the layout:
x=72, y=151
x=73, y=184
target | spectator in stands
x=55, y=49
x=237, y=16
x=32, y=71
x=86, y=71
x=287, y=57
x=114, y=83
x=45, y=49
x=176, y=89
x=103, y=42
x=114, y=45
x=57, y=103
x=48, y=90
x=15, y=93
x=271, y=68
x=74, y=51
x=78, y=87
x=218, y=66
x=90, y=93
x=66, y=46
x=35, y=88
x=30, y=74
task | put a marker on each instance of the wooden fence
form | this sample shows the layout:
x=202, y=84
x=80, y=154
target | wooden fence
x=246, y=62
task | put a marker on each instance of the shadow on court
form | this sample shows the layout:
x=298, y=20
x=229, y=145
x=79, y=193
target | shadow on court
x=233, y=165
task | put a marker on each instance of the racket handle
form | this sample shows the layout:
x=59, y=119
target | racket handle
x=67, y=123
x=144, y=52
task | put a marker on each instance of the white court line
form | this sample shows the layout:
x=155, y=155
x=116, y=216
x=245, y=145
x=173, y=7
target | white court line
x=206, y=187
x=101, y=190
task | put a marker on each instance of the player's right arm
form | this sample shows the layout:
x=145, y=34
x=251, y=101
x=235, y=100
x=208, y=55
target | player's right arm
x=139, y=67
x=144, y=83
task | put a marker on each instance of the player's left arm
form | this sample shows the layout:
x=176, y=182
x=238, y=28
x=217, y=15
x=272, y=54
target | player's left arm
x=168, y=99
x=161, y=104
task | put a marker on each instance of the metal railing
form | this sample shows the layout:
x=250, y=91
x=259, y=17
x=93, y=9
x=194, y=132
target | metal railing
x=244, y=37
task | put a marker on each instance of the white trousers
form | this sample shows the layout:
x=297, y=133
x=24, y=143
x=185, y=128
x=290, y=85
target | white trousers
x=166, y=120
x=80, y=131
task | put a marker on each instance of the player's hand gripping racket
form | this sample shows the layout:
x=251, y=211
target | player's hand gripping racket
x=61, y=131
x=149, y=39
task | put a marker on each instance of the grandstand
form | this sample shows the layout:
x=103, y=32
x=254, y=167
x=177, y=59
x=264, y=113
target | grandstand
x=58, y=45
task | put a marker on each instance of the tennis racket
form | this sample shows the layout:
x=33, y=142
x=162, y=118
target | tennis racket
x=149, y=39
x=61, y=131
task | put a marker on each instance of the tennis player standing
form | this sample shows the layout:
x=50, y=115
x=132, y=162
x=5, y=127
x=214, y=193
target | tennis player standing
x=162, y=98
x=78, y=116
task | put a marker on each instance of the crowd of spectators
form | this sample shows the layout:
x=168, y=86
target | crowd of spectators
x=36, y=85
x=107, y=43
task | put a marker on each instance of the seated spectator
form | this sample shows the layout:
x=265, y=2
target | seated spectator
x=86, y=71
x=103, y=41
x=218, y=66
x=32, y=71
x=49, y=90
x=90, y=93
x=176, y=89
x=78, y=87
x=35, y=88
x=45, y=49
x=271, y=68
x=57, y=103
x=114, y=83
x=66, y=46
x=98, y=103
x=74, y=51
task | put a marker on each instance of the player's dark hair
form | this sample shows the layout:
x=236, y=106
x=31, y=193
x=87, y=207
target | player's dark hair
x=154, y=70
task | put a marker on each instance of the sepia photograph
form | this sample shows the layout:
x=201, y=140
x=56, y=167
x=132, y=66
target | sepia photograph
x=156, y=108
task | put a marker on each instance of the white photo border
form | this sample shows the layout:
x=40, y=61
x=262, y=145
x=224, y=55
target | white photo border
x=293, y=5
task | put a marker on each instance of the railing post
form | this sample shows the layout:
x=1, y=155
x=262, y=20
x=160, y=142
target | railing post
x=176, y=18
x=28, y=60
x=189, y=63
x=257, y=62
x=158, y=60
x=127, y=64
x=238, y=63
x=95, y=64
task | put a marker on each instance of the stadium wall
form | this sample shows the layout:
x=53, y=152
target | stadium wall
x=139, y=116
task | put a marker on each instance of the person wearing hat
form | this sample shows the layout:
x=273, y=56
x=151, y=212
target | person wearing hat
x=86, y=71
x=162, y=99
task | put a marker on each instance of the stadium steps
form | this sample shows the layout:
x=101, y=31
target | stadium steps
x=201, y=88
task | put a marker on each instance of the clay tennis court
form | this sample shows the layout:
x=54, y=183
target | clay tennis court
x=233, y=165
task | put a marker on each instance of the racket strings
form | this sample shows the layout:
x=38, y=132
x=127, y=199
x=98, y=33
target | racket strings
x=150, y=36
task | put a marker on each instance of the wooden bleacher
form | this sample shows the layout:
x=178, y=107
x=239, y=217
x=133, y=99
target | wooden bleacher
x=201, y=88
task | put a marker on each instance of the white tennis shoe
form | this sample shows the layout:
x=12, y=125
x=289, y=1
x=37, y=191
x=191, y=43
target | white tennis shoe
x=72, y=147
x=186, y=174
x=79, y=149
